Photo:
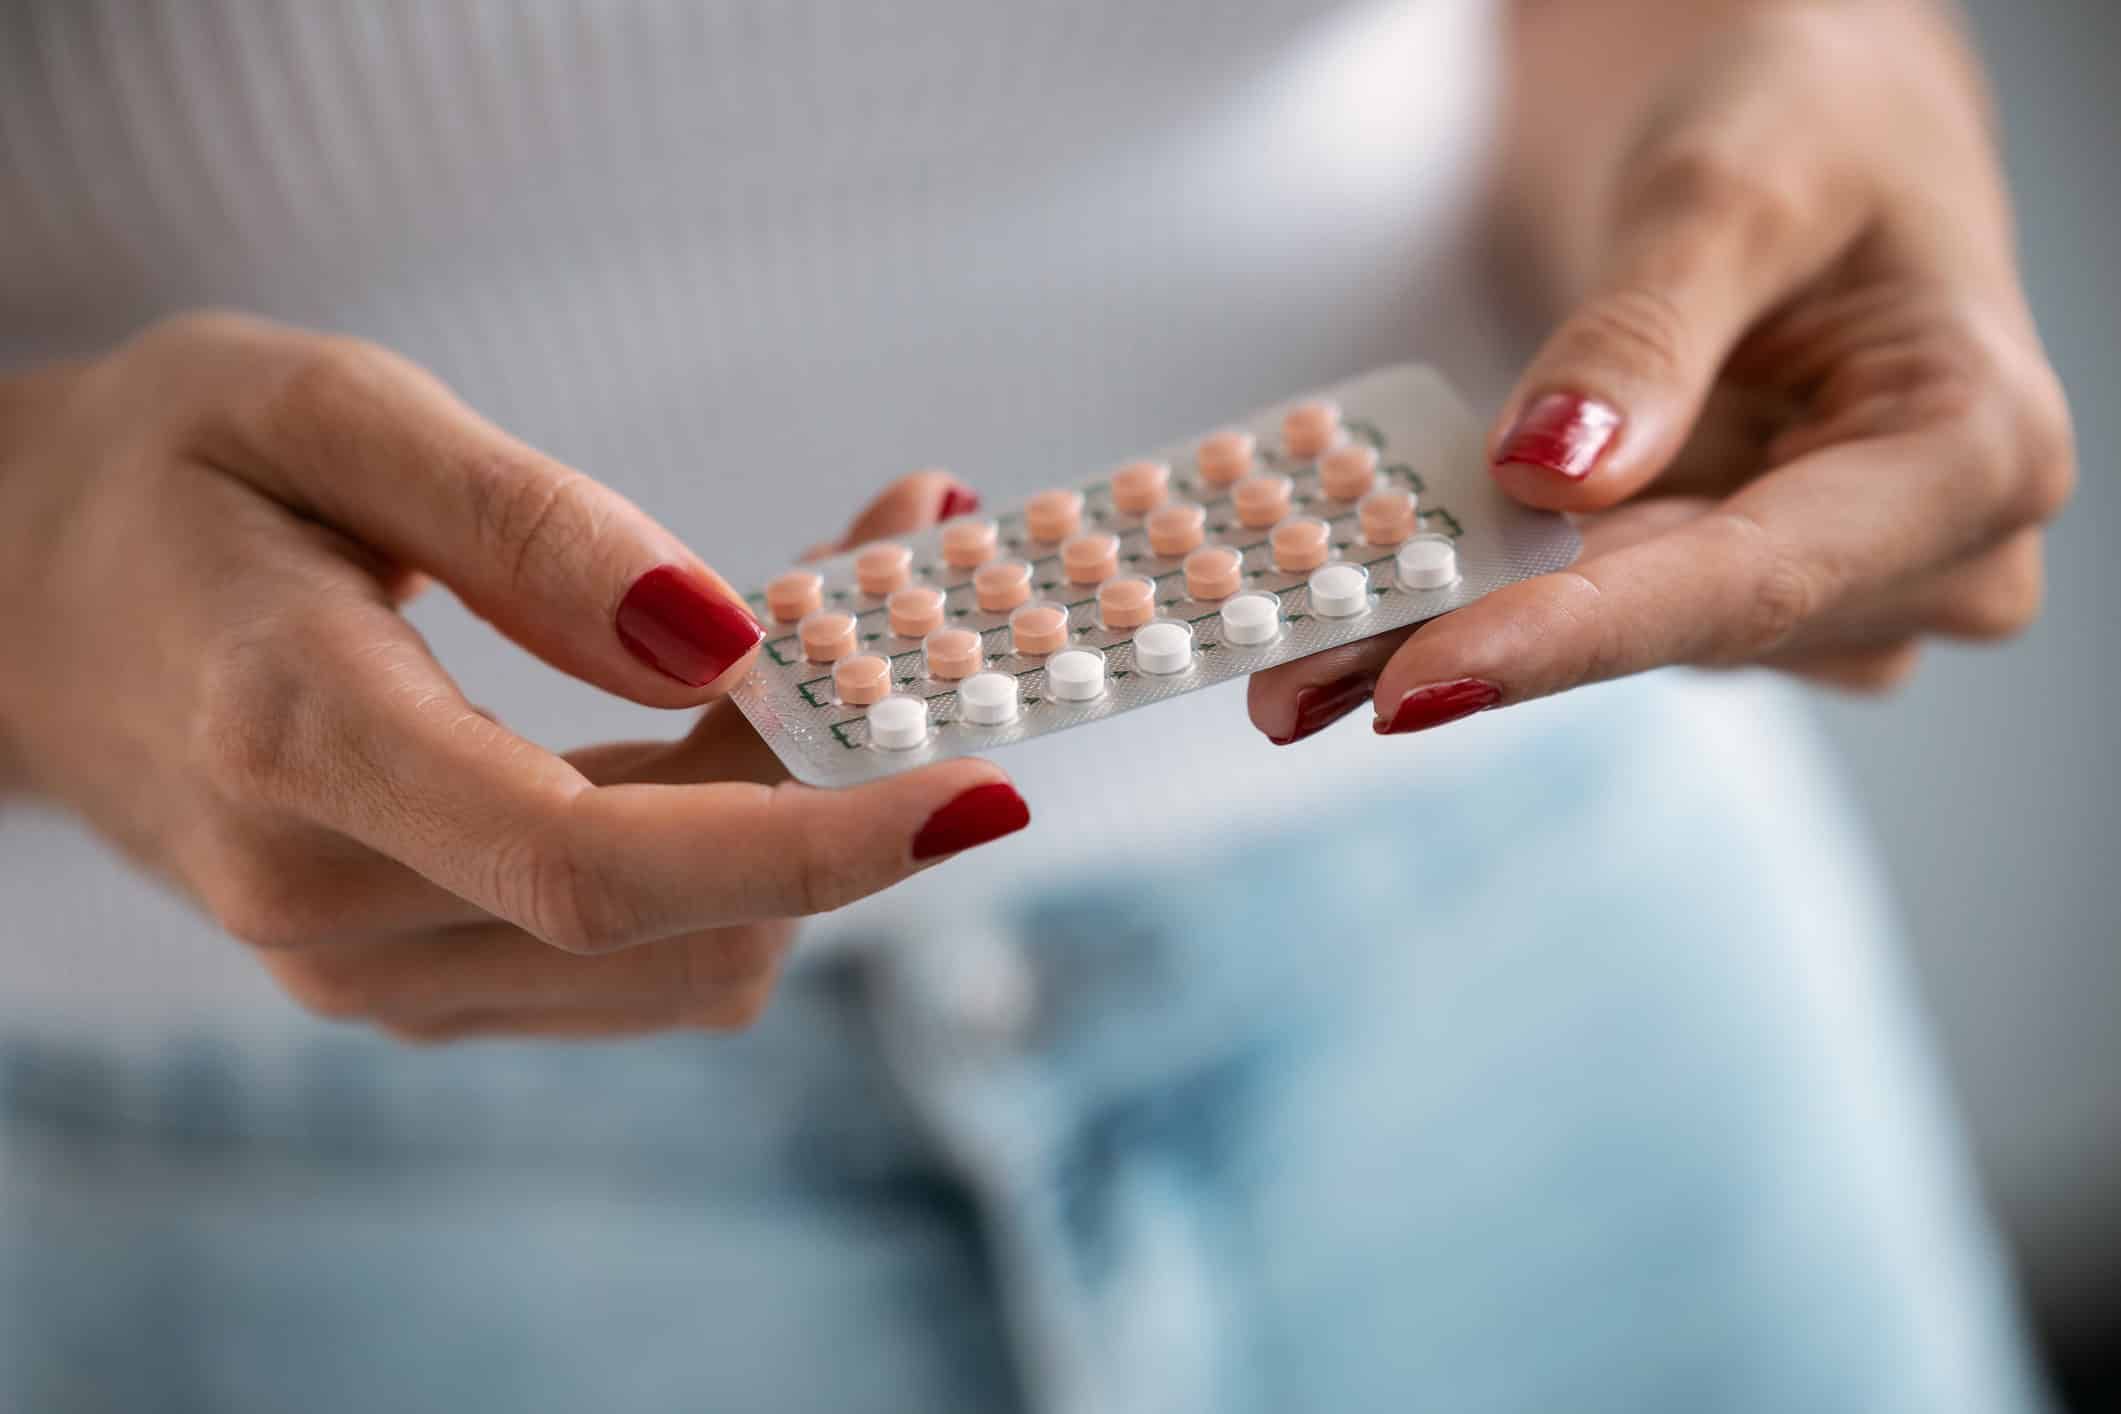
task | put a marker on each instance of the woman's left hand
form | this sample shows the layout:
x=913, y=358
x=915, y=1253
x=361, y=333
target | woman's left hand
x=1800, y=404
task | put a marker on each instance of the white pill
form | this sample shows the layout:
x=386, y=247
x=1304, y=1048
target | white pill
x=1163, y=648
x=1340, y=591
x=1427, y=562
x=1252, y=618
x=898, y=723
x=1076, y=675
x=987, y=699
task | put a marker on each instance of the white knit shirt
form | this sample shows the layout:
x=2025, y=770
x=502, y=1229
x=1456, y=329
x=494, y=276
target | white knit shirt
x=746, y=260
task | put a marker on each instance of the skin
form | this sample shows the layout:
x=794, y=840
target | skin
x=1778, y=242
x=205, y=540
x=1781, y=248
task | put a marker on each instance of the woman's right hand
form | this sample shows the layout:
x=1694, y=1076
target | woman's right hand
x=205, y=538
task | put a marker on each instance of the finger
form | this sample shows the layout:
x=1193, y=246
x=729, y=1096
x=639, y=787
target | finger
x=367, y=442
x=496, y=968
x=1712, y=230
x=330, y=890
x=351, y=724
x=1295, y=701
x=908, y=504
x=1728, y=587
x=911, y=503
x=1993, y=594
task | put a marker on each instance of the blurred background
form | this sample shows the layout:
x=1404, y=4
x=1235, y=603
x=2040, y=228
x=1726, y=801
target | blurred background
x=1994, y=781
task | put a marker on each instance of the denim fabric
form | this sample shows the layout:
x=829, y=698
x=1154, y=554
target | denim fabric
x=1591, y=1083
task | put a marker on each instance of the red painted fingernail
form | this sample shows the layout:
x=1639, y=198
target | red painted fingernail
x=1562, y=433
x=1320, y=707
x=974, y=817
x=677, y=624
x=1438, y=704
x=958, y=501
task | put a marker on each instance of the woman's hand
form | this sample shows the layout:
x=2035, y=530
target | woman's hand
x=204, y=541
x=1800, y=402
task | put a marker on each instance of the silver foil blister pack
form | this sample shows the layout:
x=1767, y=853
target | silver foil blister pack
x=1469, y=540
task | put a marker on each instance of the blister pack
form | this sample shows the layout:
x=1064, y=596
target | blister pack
x=1343, y=514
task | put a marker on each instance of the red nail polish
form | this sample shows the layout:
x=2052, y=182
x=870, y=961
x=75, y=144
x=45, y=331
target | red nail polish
x=682, y=628
x=958, y=501
x=1439, y=704
x=975, y=817
x=1562, y=433
x=1320, y=707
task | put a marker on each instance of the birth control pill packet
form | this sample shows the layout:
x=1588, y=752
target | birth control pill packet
x=1334, y=517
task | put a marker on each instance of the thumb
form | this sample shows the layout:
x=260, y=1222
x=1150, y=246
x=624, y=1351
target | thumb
x=1703, y=249
x=376, y=447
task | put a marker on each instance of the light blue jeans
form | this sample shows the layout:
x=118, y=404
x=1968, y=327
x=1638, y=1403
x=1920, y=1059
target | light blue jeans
x=1606, y=1097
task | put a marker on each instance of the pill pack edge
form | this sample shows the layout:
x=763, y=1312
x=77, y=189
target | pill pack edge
x=1427, y=441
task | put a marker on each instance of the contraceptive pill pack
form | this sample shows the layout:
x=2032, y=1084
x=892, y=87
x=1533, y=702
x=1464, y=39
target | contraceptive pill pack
x=1344, y=514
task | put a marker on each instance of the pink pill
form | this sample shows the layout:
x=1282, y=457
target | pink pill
x=1308, y=429
x=794, y=594
x=883, y=567
x=1176, y=528
x=915, y=611
x=953, y=653
x=1301, y=545
x=1127, y=603
x=1349, y=471
x=1214, y=572
x=862, y=679
x=1090, y=559
x=1262, y=498
x=1140, y=486
x=1038, y=629
x=969, y=541
x=1387, y=516
x=1225, y=456
x=827, y=636
x=1002, y=586
x=1053, y=515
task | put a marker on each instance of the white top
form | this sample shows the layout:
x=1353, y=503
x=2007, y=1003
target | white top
x=746, y=262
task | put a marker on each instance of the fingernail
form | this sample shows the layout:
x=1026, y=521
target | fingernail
x=974, y=817
x=682, y=628
x=958, y=501
x=1320, y=707
x=1438, y=704
x=1562, y=433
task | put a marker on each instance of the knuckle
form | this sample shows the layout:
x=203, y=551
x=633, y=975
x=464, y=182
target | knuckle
x=253, y=727
x=2005, y=407
x=1735, y=201
x=1782, y=600
x=186, y=329
x=820, y=878
x=525, y=515
x=571, y=902
x=1781, y=594
x=265, y=903
x=1636, y=328
x=2001, y=603
x=325, y=374
x=2050, y=442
